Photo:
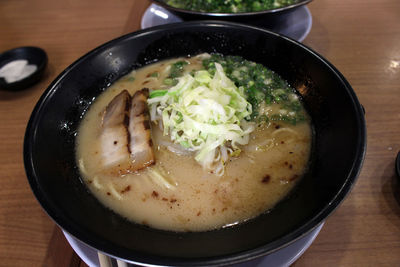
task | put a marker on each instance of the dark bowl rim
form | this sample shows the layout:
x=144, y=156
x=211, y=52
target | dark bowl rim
x=238, y=257
x=397, y=167
x=231, y=15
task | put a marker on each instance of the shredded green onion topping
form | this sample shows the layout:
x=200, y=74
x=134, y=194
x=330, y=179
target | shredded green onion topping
x=204, y=113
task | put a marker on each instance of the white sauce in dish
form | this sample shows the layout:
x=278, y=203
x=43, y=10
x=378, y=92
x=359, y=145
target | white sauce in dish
x=17, y=70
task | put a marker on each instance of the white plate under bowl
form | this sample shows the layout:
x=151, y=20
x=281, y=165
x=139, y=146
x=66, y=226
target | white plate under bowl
x=296, y=24
x=281, y=258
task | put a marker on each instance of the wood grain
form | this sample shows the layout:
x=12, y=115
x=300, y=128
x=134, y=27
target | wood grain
x=360, y=37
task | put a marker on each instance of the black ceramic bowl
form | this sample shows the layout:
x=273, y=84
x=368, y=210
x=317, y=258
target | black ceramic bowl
x=338, y=153
x=397, y=165
x=255, y=18
x=34, y=56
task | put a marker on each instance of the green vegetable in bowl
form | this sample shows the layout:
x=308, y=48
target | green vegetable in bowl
x=211, y=110
x=262, y=87
x=204, y=113
x=230, y=6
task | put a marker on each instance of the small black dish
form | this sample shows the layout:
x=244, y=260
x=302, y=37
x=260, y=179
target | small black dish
x=34, y=56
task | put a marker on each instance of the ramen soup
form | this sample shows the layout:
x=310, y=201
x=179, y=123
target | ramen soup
x=212, y=141
x=230, y=6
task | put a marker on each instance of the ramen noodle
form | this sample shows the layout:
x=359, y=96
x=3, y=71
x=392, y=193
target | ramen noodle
x=205, y=160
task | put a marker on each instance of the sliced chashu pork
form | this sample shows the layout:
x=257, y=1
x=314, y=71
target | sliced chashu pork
x=125, y=140
x=141, y=145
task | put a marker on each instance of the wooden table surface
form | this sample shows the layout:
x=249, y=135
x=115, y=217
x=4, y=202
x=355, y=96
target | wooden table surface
x=360, y=37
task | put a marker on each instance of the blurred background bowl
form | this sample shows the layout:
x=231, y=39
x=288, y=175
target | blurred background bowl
x=264, y=17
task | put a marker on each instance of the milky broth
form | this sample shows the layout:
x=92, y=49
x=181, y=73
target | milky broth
x=266, y=170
